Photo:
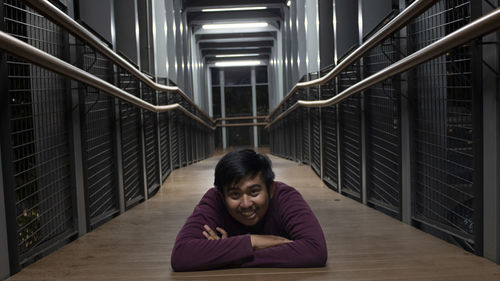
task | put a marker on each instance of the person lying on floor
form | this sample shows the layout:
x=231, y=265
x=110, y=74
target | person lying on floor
x=249, y=220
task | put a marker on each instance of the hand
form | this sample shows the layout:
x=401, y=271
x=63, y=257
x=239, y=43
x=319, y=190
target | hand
x=266, y=241
x=211, y=235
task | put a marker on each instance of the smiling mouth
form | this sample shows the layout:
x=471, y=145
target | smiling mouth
x=248, y=214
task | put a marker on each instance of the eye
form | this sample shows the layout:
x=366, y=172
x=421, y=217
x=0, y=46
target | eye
x=254, y=192
x=234, y=195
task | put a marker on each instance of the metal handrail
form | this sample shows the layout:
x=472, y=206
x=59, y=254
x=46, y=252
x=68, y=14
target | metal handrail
x=51, y=12
x=482, y=26
x=411, y=12
x=242, y=124
x=239, y=118
x=31, y=54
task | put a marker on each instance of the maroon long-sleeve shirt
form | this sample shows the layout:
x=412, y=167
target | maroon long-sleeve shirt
x=288, y=216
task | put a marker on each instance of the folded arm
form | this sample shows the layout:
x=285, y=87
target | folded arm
x=308, y=246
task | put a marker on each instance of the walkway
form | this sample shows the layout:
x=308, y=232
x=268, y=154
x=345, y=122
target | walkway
x=363, y=244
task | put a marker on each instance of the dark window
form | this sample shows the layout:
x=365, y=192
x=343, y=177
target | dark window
x=262, y=100
x=215, y=77
x=261, y=74
x=216, y=101
x=238, y=101
x=237, y=76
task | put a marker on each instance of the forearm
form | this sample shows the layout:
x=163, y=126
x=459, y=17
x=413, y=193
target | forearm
x=300, y=253
x=202, y=254
x=266, y=241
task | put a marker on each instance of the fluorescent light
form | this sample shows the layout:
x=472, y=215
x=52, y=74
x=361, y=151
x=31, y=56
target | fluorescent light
x=238, y=63
x=289, y=3
x=233, y=9
x=236, y=55
x=235, y=25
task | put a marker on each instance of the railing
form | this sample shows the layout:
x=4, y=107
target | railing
x=482, y=26
x=57, y=16
x=411, y=12
x=246, y=124
x=407, y=139
x=75, y=156
x=36, y=56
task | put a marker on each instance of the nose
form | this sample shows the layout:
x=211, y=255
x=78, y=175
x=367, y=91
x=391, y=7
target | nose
x=246, y=202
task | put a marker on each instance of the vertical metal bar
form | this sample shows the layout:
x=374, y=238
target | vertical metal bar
x=4, y=240
x=7, y=164
x=491, y=162
x=186, y=141
x=477, y=132
x=320, y=136
x=337, y=107
x=116, y=116
x=170, y=140
x=254, y=107
x=76, y=140
x=339, y=144
x=491, y=144
x=309, y=123
x=209, y=92
x=222, y=107
x=364, y=197
x=4, y=249
x=405, y=135
x=158, y=140
x=143, y=149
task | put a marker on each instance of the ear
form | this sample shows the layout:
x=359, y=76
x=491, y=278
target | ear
x=271, y=190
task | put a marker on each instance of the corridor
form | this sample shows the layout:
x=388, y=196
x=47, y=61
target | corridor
x=363, y=244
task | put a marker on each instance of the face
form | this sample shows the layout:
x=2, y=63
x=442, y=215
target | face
x=248, y=200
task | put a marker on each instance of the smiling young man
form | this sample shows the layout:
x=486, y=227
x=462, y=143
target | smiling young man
x=249, y=220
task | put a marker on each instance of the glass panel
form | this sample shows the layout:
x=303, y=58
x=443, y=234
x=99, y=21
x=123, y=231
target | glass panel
x=238, y=101
x=215, y=77
x=216, y=101
x=262, y=100
x=237, y=76
x=239, y=136
x=261, y=74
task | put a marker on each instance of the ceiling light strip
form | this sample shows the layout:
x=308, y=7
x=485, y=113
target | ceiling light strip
x=233, y=9
x=235, y=25
x=238, y=63
x=236, y=55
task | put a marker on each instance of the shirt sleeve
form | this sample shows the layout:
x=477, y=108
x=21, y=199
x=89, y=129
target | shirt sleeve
x=192, y=251
x=308, y=248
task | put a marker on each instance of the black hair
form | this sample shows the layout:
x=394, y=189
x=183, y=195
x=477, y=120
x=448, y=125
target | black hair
x=242, y=163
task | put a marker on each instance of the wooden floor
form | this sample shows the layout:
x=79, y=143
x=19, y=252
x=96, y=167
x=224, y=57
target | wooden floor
x=363, y=244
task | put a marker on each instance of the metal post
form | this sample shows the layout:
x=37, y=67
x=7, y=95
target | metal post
x=7, y=164
x=76, y=142
x=339, y=144
x=309, y=119
x=143, y=150
x=158, y=140
x=320, y=137
x=209, y=91
x=5, y=253
x=254, y=107
x=405, y=136
x=222, y=107
x=491, y=144
x=4, y=250
x=116, y=116
x=477, y=134
x=337, y=107
x=364, y=197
